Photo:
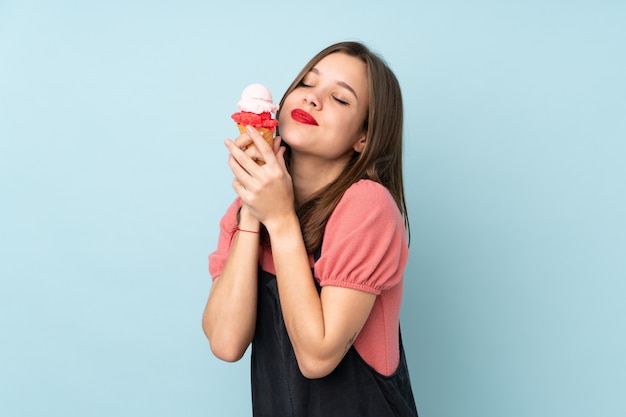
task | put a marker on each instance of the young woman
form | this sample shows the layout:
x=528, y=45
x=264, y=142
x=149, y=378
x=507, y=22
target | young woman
x=310, y=260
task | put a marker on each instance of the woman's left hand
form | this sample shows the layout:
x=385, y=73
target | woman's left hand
x=267, y=190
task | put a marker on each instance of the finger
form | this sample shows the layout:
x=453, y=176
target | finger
x=276, y=144
x=254, y=153
x=240, y=162
x=280, y=156
x=243, y=183
x=239, y=188
x=263, y=147
x=243, y=141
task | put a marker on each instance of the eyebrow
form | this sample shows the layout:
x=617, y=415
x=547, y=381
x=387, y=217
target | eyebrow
x=340, y=83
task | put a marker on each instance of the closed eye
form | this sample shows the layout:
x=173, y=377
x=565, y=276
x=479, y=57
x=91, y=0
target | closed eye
x=342, y=102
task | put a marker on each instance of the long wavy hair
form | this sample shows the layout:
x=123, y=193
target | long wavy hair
x=381, y=158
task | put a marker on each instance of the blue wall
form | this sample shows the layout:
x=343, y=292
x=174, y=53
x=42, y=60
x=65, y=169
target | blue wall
x=113, y=178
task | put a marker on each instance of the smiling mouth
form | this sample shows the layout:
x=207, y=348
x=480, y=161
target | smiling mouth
x=301, y=116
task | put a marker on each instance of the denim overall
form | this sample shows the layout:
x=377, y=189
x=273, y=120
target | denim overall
x=353, y=389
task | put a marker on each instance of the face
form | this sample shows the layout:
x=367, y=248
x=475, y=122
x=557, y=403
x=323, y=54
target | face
x=324, y=115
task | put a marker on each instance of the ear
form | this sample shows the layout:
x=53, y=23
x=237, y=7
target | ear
x=359, y=145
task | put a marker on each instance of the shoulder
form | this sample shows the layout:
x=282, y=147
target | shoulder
x=364, y=243
x=367, y=196
x=368, y=190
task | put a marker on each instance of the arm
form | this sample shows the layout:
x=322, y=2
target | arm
x=364, y=253
x=229, y=317
x=321, y=328
x=230, y=314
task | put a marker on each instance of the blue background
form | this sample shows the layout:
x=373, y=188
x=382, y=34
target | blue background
x=114, y=177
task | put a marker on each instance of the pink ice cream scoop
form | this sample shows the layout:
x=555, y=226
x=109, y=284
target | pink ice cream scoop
x=256, y=107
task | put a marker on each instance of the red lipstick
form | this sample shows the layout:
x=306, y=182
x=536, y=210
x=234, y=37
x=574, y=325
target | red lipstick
x=303, y=117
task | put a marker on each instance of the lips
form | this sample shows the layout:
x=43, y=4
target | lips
x=303, y=117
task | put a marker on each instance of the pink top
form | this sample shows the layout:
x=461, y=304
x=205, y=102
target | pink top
x=365, y=249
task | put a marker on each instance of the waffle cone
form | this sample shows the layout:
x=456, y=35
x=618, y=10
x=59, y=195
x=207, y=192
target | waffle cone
x=267, y=134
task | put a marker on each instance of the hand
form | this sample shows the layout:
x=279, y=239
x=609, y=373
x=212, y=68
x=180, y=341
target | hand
x=245, y=143
x=266, y=190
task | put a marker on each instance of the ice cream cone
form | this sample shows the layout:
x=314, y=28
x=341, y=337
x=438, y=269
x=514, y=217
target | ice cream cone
x=267, y=134
x=256, y=108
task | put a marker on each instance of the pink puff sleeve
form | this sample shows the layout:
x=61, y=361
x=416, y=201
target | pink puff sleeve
x=228, y=224
x=364, y=245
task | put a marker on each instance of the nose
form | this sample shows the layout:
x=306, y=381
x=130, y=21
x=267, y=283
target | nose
x=312, y=99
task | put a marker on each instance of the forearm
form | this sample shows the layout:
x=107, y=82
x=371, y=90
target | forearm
x=300, y=302
x=230, y=314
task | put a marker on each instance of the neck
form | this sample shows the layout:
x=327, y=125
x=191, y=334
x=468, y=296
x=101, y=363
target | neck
x=310, y=174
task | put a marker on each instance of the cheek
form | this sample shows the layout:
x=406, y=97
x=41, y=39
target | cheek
x=290, y=101
x=285, y=111
x=285, y=124
x=284, y=121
